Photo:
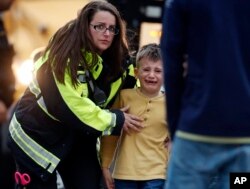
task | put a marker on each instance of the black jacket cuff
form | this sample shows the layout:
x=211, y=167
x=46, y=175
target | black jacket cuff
x=119, y=122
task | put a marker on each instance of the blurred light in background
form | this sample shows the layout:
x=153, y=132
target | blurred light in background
x=150, y=33
x=30, y=24
x=153, y=12
x=23, y=71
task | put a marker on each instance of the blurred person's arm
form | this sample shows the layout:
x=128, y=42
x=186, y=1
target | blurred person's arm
x=3, y=112
x=173, y=44
x=5, y=4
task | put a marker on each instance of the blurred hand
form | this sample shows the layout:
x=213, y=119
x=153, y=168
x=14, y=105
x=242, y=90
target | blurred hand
x=109, y=181
x=3, y=112
x=132, y=122
x=167, y=143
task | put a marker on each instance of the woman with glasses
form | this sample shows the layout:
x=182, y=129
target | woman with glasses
x=65, y=109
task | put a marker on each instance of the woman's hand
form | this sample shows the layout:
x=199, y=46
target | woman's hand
x=109, y=181
x=131, y=122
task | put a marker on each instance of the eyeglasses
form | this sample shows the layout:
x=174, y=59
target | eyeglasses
x=102, y=28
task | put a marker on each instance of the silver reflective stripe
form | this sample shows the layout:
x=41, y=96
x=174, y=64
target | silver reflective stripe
x=42, y=105
x=36, y=152
x=109, y=130
x=34, y=87
x=36, y=91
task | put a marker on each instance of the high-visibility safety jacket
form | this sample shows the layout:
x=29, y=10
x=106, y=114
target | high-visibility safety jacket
x=49, y=113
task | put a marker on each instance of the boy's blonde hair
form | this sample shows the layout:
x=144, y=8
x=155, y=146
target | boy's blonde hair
x=151, y=51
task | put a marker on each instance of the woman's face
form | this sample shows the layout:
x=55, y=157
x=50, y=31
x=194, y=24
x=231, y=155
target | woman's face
x=102, y=28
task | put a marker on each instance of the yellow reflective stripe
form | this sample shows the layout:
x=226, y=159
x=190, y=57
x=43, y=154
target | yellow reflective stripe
x=117, y=84
x=36, y=152
x=131, y=70
x=111, y=127
x=42, y=105
x=97, y=69
x=114, y=88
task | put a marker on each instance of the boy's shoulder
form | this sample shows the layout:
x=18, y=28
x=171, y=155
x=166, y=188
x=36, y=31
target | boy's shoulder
x=128, y=91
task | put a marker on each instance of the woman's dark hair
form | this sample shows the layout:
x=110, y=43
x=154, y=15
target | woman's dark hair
x=66, y=48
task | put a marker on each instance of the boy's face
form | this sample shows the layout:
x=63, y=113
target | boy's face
x=150, y=74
